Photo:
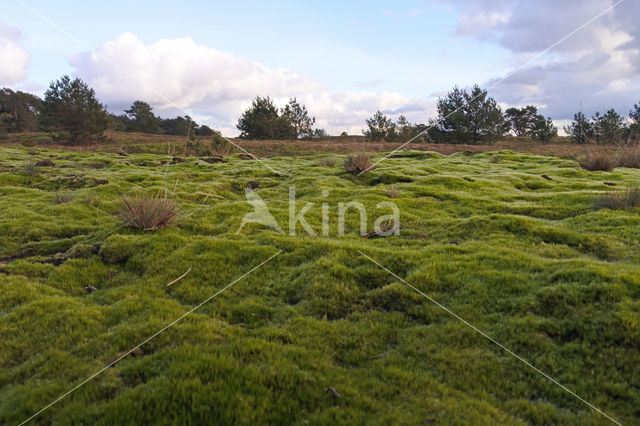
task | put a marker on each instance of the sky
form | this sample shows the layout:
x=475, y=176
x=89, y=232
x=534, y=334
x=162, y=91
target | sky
x=343, y=60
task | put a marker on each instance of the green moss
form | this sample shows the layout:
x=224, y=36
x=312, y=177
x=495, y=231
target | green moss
x=522, y=257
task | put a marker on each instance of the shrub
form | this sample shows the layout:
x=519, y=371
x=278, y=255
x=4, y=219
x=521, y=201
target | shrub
x=147, y=213
x=596, y=160
x=619, y=200
x=220, y=146
x=358, y=163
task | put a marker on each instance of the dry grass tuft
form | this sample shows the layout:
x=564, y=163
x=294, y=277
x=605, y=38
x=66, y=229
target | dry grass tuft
x=222, y=148
x=92, y=200
x=62, y=197
x=147, y=213
x=630, y=157
x=358, y=163
x=393, y=192
x=597, y=159
x=327, y=162
x=619, y=200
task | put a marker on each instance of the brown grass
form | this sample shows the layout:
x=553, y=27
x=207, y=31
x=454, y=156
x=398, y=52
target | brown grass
x=393, y=192
x=327, y=162
x=358, y=163
x=619, y=200
x=147, y=213
x=630, y=157
x=132, y=143
x=597, y=159
x=223, y=149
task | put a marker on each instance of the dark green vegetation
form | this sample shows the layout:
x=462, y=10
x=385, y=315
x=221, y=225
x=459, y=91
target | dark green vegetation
x=71, y=110
x=263, y=120
x=73, y=115
x=510, y=242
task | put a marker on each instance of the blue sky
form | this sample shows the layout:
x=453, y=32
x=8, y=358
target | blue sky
x=358, y=55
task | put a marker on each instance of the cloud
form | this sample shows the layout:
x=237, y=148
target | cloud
x=13, y=57
x=178, y=74
x=598, y=66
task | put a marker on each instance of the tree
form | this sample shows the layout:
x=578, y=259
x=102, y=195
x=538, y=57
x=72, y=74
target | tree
x=634, y=125
x=319, y=133
x=262, y=121
x=204, y=130
x=181, y=126
x=522, y=120
x=71, y=107
x=19, y=111
x=543, y=129
x=609, y=128
x=634, y=115
x=380, y=128
x=142, y=118
x=470, y=116
x=580, y=129
x=406, y=131
x=527, y=122
x=298, y=116
x=404, y=128
x=118, y=123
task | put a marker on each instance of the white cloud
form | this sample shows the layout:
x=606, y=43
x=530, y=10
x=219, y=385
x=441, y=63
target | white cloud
x=598, y=66
x=13, y=57
x=208, y=82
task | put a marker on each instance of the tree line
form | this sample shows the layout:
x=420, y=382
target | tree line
x=71, y=111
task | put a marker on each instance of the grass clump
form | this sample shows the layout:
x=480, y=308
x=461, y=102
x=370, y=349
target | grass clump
x=630, y=157
x=147, y=213
x=30, y=169
x=393, y=192
x=220, y=147
x=92, y=200
x=358, y=163
x=327, y=162
x=62, y=197
x=619, y=200
x=597, y=160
